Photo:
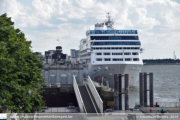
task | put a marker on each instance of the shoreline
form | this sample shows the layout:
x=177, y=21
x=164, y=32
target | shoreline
x=161, y=64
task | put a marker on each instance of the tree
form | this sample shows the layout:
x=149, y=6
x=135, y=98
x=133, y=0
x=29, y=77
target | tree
x=20, y=71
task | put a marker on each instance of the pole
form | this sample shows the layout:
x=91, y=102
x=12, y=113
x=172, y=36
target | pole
x=120, y=92
x=145, y=89
x=115, y=92
x=151, y=89
x=141, y=88
x=102, y=80
x=126, y=91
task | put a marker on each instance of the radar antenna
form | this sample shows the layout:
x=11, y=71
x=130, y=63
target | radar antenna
x=109, y=22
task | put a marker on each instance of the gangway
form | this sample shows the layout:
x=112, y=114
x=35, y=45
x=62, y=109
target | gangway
x=88, y=98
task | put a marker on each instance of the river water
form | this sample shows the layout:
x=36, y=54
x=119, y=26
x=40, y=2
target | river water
x=166, y=84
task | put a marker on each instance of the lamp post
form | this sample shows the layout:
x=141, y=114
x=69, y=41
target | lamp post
x=112, y=74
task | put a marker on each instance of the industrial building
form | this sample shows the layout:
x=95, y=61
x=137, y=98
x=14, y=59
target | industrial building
x=74, y=55
x=56, y=56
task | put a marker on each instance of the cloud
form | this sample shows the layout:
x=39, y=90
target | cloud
x=43, y=22
x=63, y=19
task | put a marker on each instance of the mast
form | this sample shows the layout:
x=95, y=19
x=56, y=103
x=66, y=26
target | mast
x=109, y=23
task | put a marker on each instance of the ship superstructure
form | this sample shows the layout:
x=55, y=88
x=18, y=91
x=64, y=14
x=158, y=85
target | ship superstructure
x=107, y=51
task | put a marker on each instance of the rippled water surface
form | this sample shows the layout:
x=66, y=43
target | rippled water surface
x=166, y=84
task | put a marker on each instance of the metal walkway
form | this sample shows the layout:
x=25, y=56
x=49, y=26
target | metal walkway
x=86, y=99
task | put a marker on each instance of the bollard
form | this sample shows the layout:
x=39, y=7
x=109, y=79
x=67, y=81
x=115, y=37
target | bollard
x=141, y=88
x=145, y=89
x=115, y=92
x=126, y=91
x=151, y=89
x=120, y=92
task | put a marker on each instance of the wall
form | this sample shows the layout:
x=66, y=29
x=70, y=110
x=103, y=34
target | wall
x=58, y=70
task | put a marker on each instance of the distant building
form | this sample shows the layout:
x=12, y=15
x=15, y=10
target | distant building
x=55, y=56
x=161, y=61
x=74, y=55
x=68, y=58
x=48, y=56
x=41, y=57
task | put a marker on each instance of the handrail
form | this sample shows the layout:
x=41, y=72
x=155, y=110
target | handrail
x=78, y=96
x=91, y=99
x=97, y=98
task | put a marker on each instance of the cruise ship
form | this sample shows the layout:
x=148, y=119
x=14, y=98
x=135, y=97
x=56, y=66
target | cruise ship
x=107, y=51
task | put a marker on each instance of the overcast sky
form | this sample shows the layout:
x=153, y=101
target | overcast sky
x=45, y=21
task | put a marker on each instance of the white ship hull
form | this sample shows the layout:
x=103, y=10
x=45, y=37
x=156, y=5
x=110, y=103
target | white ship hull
x=132, y=69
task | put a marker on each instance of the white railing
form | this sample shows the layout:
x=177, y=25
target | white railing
x=78, y=97
x=95, y=94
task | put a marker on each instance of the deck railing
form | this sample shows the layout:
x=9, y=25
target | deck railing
x=95, y=94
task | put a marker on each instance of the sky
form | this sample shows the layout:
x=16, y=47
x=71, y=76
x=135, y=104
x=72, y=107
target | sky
x=45, y=21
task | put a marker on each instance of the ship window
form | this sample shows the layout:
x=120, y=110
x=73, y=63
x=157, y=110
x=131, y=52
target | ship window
x=104, y=48
x=120, y=47
x=98, y=53
x=98, y=59
x=127, y=53
x=135, y=59
x=112, y=48
x=115, y=43
x=135, y=53
x=117, y=59
x=124, y=47
x=116, y=53
x=132, y=47
x=97, y=48
x=107, y=59
x=100, y=48
x=114, y=38
x=136, y=48
x=128, y=48
x=108, y=48
x=106, y=53
x=127, y=59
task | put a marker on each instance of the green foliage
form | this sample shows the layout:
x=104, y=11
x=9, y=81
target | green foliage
x=44, y=85
x=20, y=71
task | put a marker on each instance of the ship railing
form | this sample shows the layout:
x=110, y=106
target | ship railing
x=95, y=94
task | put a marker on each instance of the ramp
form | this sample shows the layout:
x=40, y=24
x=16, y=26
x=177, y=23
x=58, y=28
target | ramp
x=86, y=99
